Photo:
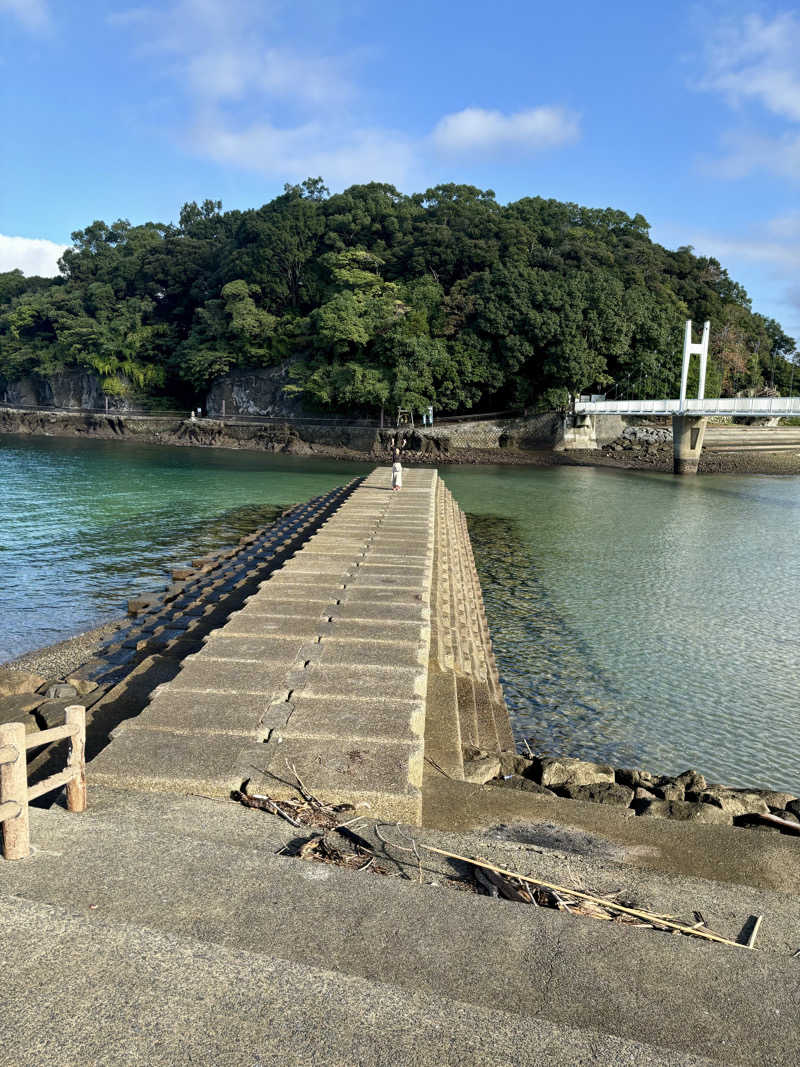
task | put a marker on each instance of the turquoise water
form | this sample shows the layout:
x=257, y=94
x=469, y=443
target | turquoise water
x=639, y=618
x=86, y=524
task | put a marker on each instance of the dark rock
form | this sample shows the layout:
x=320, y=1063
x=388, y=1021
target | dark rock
x=516, y=781
x=600, y=793
x=633, y=777
x=552, y=772
x=18, y=681
x=794, y=807
x=683, y=810
x=60, y=691
x=670, y=790
x=512, y=763
x=691, y=781
x=52, y=713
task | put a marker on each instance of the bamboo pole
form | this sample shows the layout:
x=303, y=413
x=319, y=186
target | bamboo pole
x=610, y=904
x=76, y=762
x=14, y=788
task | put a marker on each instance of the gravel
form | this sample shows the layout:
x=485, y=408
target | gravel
x=56, y=661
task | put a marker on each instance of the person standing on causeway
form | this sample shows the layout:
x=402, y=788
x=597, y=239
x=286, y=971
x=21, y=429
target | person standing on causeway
x=397, y=475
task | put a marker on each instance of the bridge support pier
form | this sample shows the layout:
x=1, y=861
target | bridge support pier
x=687, y=442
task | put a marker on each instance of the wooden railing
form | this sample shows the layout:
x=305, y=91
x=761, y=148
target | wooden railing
x=16, y=794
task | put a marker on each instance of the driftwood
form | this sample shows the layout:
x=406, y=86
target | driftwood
x=592, y=898
x=776, y=820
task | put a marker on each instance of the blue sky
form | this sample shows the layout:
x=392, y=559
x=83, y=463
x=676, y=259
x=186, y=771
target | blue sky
x=686, y=112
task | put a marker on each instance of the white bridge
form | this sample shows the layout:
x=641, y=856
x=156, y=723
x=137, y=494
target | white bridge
x=755, y=406
x=688, y=416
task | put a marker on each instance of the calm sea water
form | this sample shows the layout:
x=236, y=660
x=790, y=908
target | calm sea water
x=637, y=618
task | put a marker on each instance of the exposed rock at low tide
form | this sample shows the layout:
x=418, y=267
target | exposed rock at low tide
x=599, y=793
x=555, y=772
x=687, y=797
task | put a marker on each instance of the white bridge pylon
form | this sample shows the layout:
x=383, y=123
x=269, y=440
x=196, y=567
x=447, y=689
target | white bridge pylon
x=690, y=350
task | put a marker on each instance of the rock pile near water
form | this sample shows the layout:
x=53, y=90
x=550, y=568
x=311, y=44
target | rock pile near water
x=687, y=796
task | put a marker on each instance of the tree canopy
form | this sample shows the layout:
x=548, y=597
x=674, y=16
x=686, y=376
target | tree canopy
x=444, y=297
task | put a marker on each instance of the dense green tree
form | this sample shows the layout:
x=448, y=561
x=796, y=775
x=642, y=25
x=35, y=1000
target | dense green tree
x=378, y=298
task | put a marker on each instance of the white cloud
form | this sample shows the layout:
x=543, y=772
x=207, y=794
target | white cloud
x=33, y=14
x=261, y=98
x=754, y=60
x=478, y=129
x=746, y=151
x=757, y=58
x=341, y=156
x=31, y=255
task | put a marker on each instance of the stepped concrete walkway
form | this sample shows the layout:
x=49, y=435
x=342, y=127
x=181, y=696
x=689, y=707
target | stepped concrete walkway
x=322, y=675
x=167, y=927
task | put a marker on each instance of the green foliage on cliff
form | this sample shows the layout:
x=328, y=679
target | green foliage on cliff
x=444, y=297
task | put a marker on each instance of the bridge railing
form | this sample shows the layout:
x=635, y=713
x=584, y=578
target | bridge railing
x=16, y=794
x=763, y=406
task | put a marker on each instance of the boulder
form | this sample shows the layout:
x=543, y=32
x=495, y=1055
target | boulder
x=14, y=681
x=633, y=778
x=60, y=691
x=552, y=772
x=512, y=763
x=691, y=781
x=734, y=801
x=53, y=712
x=14, y=708
x=640, y=793
x=517, y=781
x=600, y=793
x=771, y=797
x=669, y=790
x=794, y=807
x=684, y=810
x=479, y=770
x=82, y=685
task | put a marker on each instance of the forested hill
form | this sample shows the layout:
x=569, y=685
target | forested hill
x=444, y=297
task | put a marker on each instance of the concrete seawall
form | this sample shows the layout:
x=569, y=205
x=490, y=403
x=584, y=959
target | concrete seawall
x=366, y=654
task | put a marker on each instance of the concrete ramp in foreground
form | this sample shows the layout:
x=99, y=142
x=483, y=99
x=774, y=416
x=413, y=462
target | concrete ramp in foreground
x=328, y=674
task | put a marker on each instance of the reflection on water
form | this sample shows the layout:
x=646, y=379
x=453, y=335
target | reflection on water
x=555, y=690
x=643, y=618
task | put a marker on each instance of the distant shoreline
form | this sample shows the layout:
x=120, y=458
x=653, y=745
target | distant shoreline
x=356, y=444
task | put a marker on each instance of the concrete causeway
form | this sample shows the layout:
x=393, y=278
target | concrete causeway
x=323, y=674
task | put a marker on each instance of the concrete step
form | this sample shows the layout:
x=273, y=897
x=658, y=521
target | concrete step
x=626, y=983
x=731, y=854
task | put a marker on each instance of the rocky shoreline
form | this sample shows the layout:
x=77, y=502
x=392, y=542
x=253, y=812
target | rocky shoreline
x=632, y=451
x=687, y=797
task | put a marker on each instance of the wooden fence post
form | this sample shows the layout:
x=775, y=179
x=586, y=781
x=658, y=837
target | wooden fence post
x=76, y=787
x=14, y=788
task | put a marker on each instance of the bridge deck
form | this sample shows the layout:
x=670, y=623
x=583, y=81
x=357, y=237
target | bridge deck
x=766, y=407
